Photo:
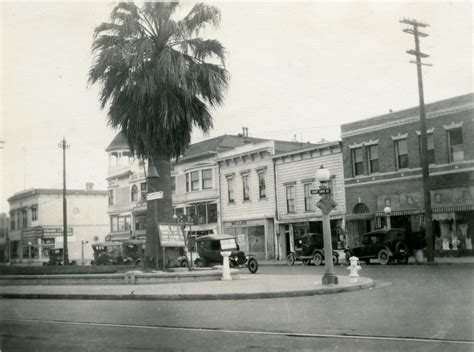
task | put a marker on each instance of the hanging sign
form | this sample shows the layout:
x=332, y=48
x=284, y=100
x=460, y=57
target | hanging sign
x=154, y=195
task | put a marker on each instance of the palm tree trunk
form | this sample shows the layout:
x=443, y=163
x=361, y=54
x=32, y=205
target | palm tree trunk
x=158, y=210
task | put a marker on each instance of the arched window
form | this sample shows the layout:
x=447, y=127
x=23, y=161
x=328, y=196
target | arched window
x=134, y=193
x=360, y=208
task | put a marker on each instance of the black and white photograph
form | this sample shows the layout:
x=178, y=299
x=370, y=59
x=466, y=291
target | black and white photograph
x=237, y=176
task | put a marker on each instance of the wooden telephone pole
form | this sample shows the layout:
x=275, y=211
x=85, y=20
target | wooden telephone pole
x=63, y=145
x=414, y=30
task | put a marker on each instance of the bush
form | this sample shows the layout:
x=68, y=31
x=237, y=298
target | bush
x=69, y=269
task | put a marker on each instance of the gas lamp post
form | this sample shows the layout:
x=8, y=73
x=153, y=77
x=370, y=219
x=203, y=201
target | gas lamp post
x=387, y=211
x=326, y=204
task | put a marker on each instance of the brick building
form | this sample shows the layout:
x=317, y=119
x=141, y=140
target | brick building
x=382, y=168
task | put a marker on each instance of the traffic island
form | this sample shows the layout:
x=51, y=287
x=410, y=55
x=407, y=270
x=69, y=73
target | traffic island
x=244, y=286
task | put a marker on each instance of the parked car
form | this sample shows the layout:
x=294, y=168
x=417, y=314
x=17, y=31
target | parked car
x=386, y=245
x=209, y=248
x=311, y=248
x=133, y=252
x=107, y=253
x=55, y=257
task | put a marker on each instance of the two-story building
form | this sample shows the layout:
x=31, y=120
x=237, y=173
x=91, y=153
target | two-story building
x=247, y=184
x=297, y=213
x=36, y=222
x=4, y=226
x=382, y=169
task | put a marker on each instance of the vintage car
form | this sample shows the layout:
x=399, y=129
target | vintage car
x=209, y=248
x=385, y=245
x=55, y=257
x=311, y=248
x=107, y=253
x=133, y=252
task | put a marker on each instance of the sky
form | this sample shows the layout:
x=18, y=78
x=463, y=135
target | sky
x=298, y=71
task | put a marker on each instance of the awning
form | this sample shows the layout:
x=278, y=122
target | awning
x=365, y=216
x=401, y=212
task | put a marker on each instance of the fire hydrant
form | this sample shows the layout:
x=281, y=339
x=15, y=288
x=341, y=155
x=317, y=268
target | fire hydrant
x=354, y=268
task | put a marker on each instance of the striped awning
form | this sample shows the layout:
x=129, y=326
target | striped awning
x=401, y=212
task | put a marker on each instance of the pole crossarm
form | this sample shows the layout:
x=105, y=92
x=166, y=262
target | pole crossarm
x=413, y=22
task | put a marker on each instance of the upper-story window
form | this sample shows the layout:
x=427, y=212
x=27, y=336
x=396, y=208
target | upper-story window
x=206, y=179
x=143, y=190
x=373, y=157
x=230, y=190
x=173, y=184
x=455, y=145
x=24, y=217
x=134, y=193
x=120, y=223
x=111, y=197
x=18, y=219
x=245, y=187
x=308, y=198
x=290, y=199
x=357, y=161
x=401, y=153
x=12, y=220
x=192, y=181
x=34, y=213
x=431, y=150
x=262, y=188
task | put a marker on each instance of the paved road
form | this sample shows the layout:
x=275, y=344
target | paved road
x=416, y=308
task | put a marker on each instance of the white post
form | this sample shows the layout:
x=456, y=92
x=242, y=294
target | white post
x=225, y=267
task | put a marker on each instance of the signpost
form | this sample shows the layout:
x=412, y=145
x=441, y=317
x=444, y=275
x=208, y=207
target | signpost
x=171, y=235
x=154, y=195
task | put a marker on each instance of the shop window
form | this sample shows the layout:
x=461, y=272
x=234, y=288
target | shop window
x=212, y=213
x=140, y=222
x=111, y=197
x=290, y=199
x=357, y=161
x=308, y=198
x=455, y=145
x=245, y=187
x=401, y=152
x=373, y=157
x=134, y=193
x=431, y=151
x=230, y=190
x=262, y=192
x=207, y=179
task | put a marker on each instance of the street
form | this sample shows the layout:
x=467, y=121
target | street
x=415, y=308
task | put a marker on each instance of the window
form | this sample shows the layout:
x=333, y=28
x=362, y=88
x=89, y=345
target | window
x=134, y=193
x=140, y=222
x=207, y=179
x=173, y=184
x=211, y=213
x=143, y=190
x=455, y=145
x=12, y=220
x=431, y=152
x=373, y=156
x=187, y=183
x=111, y=197
x=357, y=161
x=308, y=198
x=230, y=190
x=24, y=218
x=34, y=213
x=401, y=152
x=18, y=216
x=246, y=187
x=262, y=192
x=120, y=223
x=290, y=199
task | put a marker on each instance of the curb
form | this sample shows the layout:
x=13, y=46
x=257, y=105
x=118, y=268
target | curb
x=194, y=297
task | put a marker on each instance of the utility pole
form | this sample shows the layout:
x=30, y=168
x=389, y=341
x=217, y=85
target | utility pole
x=424, y=140
x=63, y=145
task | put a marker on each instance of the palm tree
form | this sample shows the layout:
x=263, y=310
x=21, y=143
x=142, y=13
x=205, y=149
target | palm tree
x=158, y=80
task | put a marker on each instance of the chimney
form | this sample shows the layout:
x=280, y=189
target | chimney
x=89, y=186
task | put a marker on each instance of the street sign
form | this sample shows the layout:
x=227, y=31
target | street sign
x=171, y=235
x=321, y=191
x=154, y=195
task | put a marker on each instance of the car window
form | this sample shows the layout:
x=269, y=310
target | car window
x=375, y=239
x=215, y=245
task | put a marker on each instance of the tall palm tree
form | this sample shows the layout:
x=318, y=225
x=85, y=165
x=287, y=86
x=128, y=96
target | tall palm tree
x=158, y=80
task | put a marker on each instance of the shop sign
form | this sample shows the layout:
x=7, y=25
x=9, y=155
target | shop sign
x=240, y=222
x=171, y=235
x=56, y=231
x=32, y=233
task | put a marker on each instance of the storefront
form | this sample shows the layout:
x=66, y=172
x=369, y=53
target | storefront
x=453, y=229
x=253, y=236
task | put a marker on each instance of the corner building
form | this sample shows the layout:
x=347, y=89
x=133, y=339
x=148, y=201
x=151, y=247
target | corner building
x=382, y=168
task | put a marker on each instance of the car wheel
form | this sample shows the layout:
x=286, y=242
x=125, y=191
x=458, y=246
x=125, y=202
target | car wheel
x=290, y=258
x=384, y=257
x=401, y=251
x=253, y=265
x=335, y=260
x=200, y=263
x=183, y=264
x=306, y=261
x=348, y=257
x=402, y=260
x=317, y=259
x=231, y=263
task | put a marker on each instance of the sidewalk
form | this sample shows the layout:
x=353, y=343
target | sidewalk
x=243, y=286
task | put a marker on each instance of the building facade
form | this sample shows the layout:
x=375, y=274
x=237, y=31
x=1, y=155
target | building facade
x=247, y=184
x=36, y=223
x=382, y=168
x=297, y=213
x=4, y=227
